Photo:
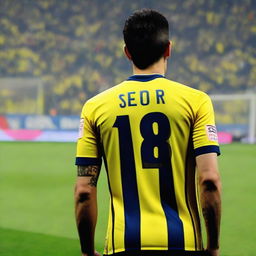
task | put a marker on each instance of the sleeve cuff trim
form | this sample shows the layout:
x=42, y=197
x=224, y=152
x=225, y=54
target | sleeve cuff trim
x=83, y=161
x=207, y=149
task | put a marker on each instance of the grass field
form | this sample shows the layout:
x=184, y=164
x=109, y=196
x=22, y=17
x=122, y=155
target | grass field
x=36, y=200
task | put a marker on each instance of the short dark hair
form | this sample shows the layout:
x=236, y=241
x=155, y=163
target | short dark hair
x=146, y=35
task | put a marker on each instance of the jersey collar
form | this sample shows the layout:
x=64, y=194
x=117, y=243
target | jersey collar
x=144, y=78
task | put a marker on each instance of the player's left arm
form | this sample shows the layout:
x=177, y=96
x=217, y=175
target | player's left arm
x=86, y=206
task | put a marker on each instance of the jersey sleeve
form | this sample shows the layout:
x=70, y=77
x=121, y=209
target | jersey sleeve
x=88, y=146
x=205, y=138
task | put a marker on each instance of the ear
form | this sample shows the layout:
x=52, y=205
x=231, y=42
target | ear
x=168, y=50
x=127, y=54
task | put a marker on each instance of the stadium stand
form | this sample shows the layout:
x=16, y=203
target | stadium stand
x=75, y=47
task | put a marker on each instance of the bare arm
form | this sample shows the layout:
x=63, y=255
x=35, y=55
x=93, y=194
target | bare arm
x=86, y=206
x=210, y=196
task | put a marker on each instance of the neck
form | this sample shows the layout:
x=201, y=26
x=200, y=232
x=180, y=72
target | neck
x=157, y=68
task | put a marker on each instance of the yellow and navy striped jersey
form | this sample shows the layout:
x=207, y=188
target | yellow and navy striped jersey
x=149, y=130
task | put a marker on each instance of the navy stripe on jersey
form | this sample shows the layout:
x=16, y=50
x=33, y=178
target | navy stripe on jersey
x=163, y=163
x=190, y=194
x=168, y=201
x=111, y=200
x=129, y=184
x=207, y=149
x=83, y=161
x=144, y=78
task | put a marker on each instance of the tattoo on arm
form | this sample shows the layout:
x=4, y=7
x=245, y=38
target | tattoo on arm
x=92, y=171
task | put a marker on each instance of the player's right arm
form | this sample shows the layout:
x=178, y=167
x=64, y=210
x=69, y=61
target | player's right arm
x=210, y=196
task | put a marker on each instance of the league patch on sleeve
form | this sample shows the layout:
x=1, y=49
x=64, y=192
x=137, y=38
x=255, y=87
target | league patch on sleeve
x=81, y=128
x=211, y=132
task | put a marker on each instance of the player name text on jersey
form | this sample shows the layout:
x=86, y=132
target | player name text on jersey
x=132, y=99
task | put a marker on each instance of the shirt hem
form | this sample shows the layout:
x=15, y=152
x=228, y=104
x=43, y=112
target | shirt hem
x=162, y=252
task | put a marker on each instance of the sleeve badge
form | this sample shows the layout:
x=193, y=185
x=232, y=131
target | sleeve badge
x=211, y=132
x=81, y=128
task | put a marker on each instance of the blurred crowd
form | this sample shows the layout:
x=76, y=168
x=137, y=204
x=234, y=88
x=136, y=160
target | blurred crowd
x=76, y=46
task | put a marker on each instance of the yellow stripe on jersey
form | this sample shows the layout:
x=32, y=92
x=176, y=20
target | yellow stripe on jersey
x=148, y=130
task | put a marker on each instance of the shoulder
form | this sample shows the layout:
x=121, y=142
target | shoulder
x=101, y=99
x=105, y=94
x=187, y=92
x=185, y=88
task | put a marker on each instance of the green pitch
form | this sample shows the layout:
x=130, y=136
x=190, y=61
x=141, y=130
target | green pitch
x=36, y=200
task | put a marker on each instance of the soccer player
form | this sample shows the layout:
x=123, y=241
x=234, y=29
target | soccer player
x=159, y=144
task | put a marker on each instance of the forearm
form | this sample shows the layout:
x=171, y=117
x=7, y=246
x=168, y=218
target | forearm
x=86, y=217
x=86, y=206
x=211, y=207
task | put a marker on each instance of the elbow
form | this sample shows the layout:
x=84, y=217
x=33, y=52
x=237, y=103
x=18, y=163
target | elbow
x=211, y=183
x=82, y=193
x=210, y=186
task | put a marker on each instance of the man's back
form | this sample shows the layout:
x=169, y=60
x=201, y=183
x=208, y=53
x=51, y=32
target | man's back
x=149, y=130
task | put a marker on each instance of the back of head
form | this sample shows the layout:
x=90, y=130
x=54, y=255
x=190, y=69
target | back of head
x=146, y=35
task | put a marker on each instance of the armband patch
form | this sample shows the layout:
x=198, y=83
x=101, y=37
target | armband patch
x=211, y=132
x=81, y=128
